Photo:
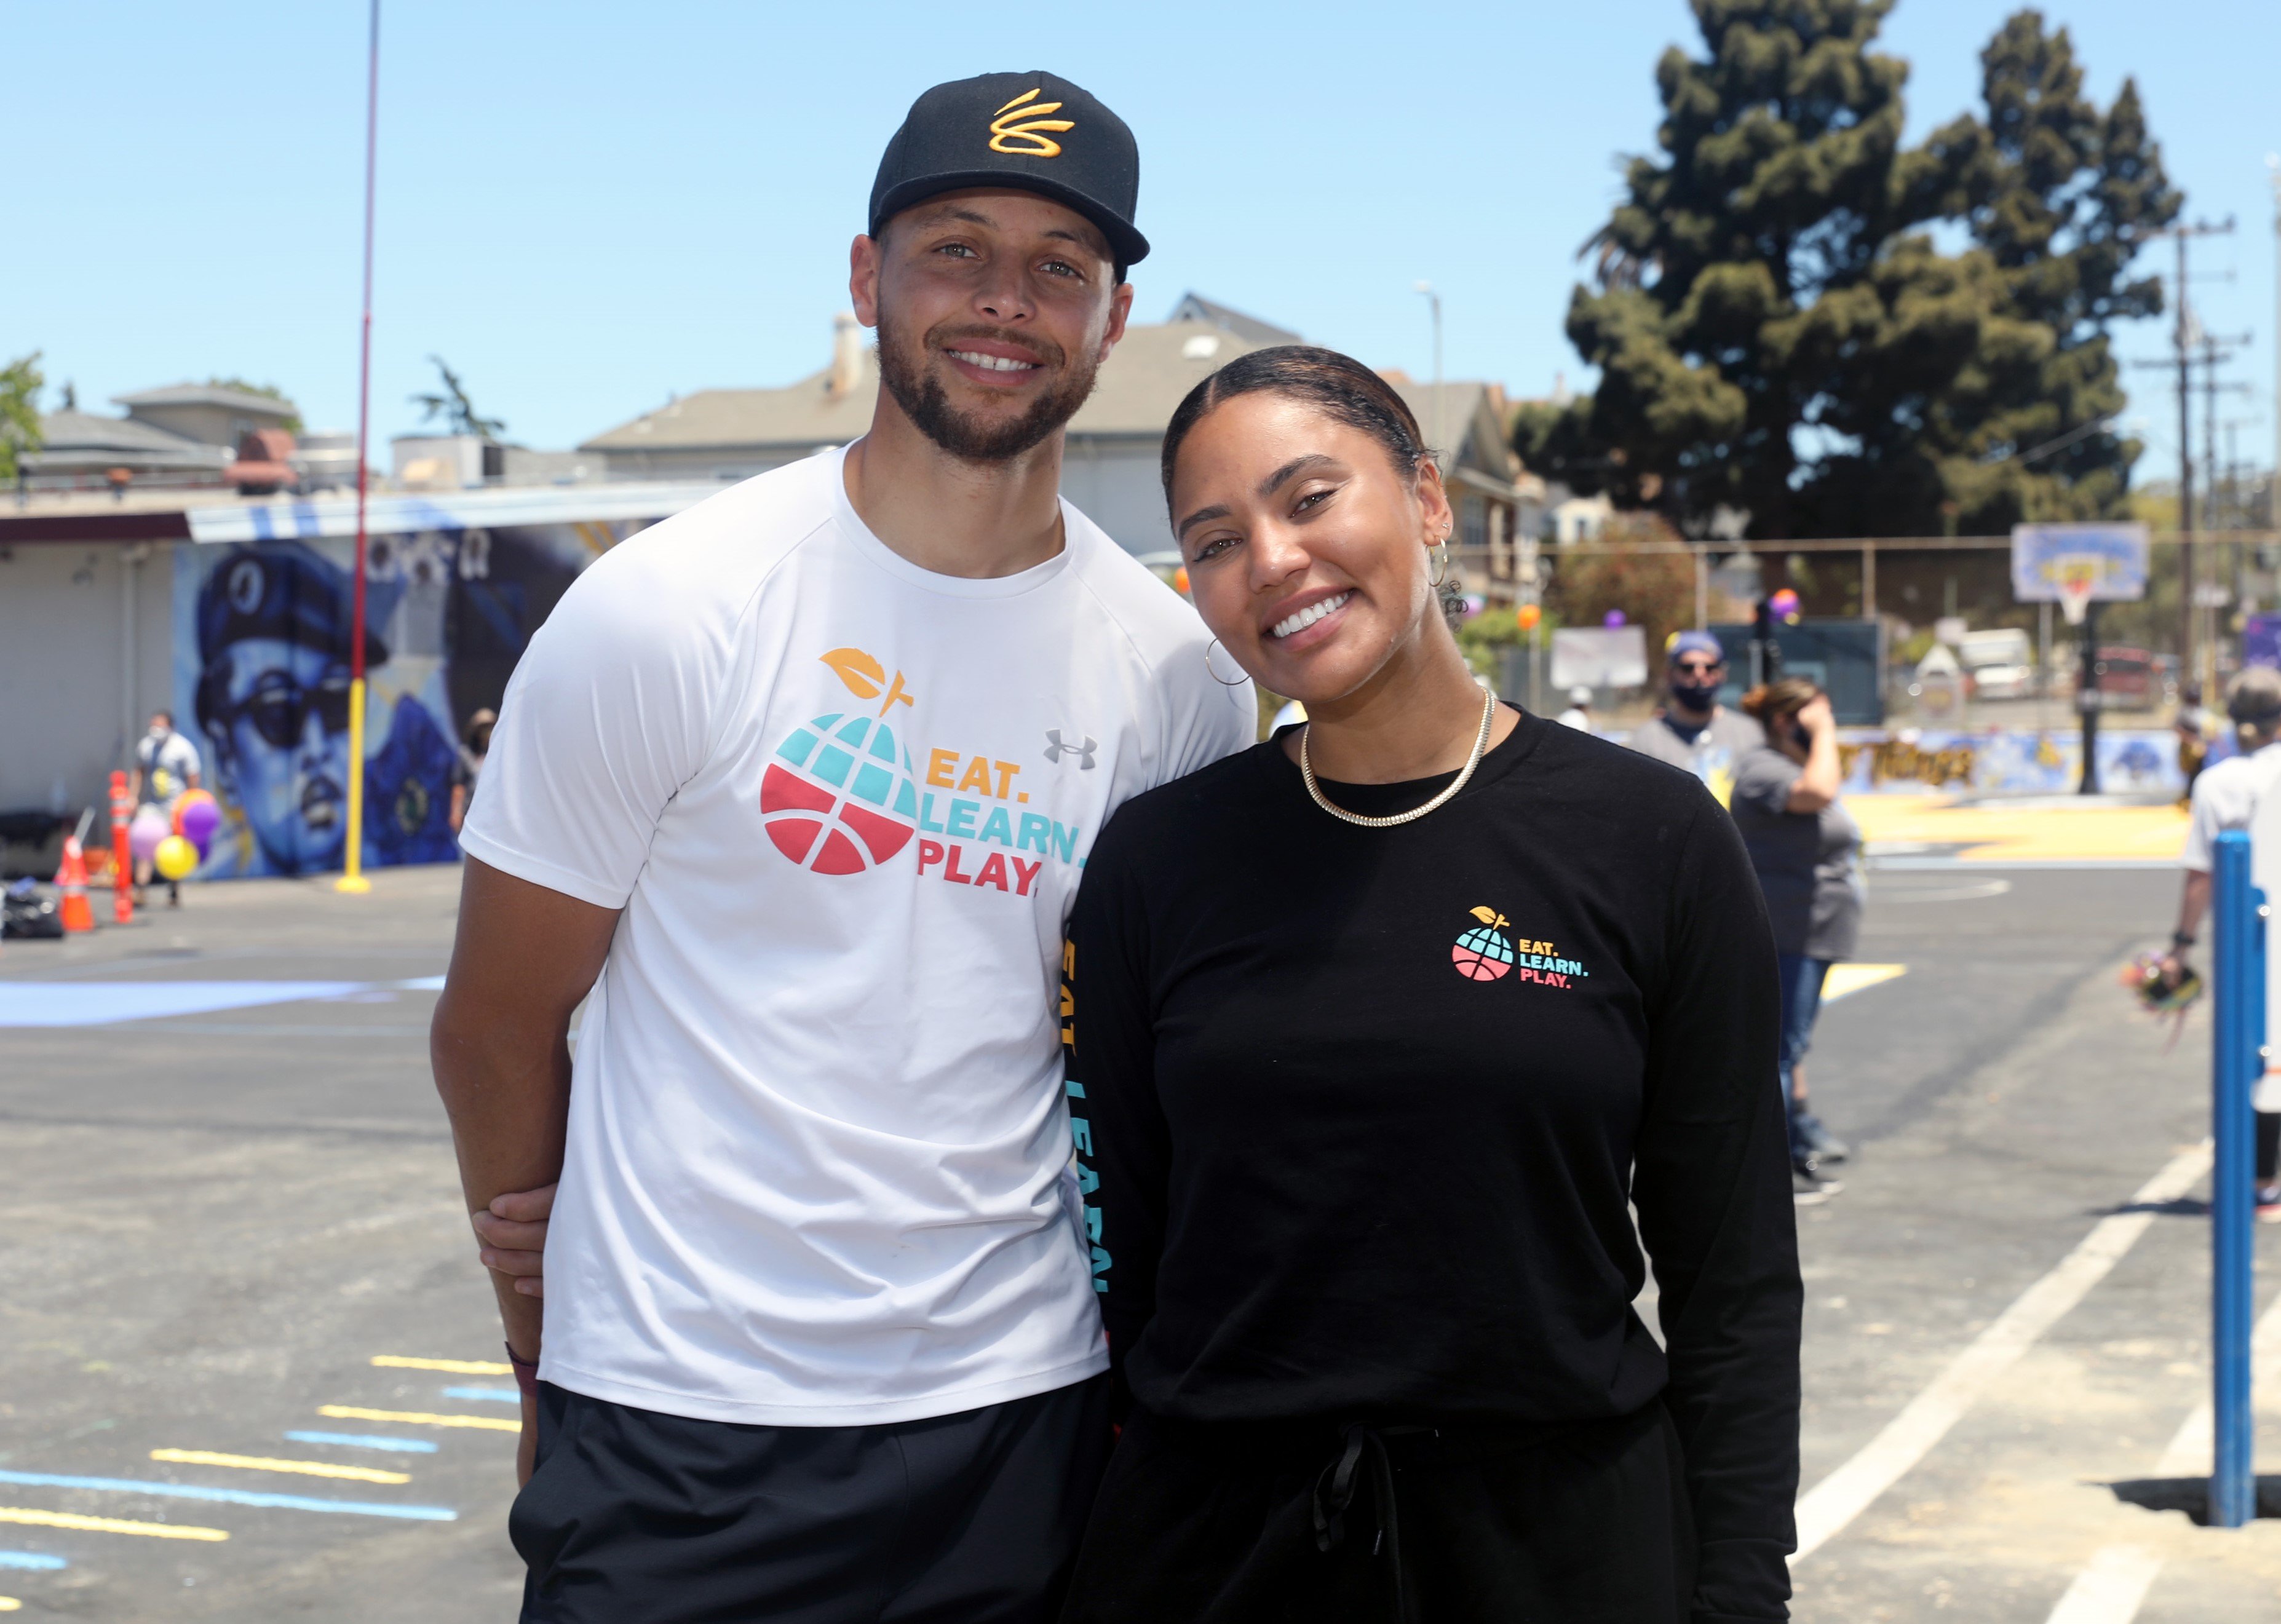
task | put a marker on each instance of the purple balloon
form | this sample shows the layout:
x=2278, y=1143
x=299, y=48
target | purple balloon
x=149, y=826
x=200, y=819
x=1613, y=619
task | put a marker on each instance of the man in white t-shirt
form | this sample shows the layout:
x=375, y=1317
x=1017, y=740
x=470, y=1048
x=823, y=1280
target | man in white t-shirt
x=165, y=764
x=794, y=789
x=2225, y=796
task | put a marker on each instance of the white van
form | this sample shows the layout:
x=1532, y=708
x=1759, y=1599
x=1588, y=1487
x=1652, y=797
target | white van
x=2001, y=663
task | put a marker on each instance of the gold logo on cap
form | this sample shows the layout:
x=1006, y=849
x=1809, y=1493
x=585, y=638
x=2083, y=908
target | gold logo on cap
x=1025, y=126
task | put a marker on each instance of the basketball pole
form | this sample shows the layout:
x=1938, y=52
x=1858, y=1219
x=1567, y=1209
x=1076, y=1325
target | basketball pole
x=352, y=881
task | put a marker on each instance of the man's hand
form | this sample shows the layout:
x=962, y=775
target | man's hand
x=1816, y=717
x=513, y=1234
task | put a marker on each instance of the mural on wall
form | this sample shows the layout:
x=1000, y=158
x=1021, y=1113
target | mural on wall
x=261, y=674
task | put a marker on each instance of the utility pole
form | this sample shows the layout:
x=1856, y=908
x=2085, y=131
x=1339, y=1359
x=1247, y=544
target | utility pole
x=2184, y=334
x=2215, y=352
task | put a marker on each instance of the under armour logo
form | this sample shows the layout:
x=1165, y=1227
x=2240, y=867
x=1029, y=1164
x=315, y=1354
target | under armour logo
x=1056, y=747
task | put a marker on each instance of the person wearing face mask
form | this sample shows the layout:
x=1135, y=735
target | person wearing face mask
x=1692, y=730
x=1807, y=848
x=165, y=764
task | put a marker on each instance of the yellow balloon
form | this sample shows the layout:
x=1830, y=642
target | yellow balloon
x=175, y=857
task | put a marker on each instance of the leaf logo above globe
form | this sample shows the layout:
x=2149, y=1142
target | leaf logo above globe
x=837, y=797
x=1483, y=954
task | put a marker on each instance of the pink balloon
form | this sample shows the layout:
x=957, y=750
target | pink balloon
x=150, y=825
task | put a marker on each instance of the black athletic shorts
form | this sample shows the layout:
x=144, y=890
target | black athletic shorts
x=1315, y=1523
x=632, y=1517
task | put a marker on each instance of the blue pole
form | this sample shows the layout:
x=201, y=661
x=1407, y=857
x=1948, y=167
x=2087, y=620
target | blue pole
x=2239, y=1060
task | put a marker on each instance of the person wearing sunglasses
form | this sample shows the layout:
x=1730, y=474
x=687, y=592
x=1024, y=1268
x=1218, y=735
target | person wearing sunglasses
x=272, y=700
x=1692, y=730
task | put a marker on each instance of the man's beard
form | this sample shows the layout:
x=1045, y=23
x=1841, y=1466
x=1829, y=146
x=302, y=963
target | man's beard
x=921, y=395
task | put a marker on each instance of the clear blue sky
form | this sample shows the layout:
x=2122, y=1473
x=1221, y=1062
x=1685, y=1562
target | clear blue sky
x=587, y=208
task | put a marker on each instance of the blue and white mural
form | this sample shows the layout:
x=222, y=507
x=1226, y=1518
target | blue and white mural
x=261, y=676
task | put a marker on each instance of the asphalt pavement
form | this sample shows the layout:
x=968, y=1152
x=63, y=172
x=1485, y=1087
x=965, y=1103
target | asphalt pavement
x=235, y=1236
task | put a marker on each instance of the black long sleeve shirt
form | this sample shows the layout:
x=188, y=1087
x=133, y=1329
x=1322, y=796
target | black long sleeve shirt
x=1361, y=1114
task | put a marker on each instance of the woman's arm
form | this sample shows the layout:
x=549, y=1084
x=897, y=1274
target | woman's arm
x=1817, y=787
x=1123, y=1148
x=1712, y=1184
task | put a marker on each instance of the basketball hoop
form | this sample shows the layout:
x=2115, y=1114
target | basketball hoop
x=2075, y=575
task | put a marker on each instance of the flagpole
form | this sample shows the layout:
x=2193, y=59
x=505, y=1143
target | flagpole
x=352, y=879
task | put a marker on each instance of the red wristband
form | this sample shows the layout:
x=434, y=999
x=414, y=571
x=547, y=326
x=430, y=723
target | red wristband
x=526, y=1372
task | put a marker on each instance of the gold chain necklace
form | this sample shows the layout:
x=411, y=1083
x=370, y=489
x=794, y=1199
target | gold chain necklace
x=1481, y=748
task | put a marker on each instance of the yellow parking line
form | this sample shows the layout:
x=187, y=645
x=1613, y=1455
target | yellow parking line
x=106, y=1525
x=418, y=1418
x=9, y=1604
x=1844, y=979
x=457, y=1367
x=262, y=1463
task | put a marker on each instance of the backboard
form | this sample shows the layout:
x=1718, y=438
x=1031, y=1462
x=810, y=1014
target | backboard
x=2046, y=557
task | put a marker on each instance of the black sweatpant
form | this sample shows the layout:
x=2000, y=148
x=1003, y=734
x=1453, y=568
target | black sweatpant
x=633, y=1517
x=1306, y=1523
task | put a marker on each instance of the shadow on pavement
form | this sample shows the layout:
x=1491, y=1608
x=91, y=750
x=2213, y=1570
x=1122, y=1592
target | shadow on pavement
x=2190, y=1494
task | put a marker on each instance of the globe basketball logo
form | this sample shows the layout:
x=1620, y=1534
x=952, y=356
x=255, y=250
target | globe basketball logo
x=837, y=797
x=1483, y=954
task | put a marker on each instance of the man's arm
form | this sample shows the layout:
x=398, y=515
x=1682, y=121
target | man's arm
x=524, y=958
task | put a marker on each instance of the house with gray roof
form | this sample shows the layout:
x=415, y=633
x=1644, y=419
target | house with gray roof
x=1110, y=469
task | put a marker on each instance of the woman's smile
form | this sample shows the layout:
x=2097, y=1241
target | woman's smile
x=1314, y=613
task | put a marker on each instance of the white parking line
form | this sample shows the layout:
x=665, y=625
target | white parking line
x=1824, y=1511
x=2109, y=1591
x=2112, y=1589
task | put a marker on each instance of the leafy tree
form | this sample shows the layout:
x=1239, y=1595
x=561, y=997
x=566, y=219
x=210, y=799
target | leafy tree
x=1654, y=588
x=21, y=383
x=2066, y=195
x=1556, y=439
x=456, y=409
x=268, y=391
x=1776, y=333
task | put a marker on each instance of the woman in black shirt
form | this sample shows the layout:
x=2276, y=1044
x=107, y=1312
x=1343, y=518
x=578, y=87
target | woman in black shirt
x=1380, y=1032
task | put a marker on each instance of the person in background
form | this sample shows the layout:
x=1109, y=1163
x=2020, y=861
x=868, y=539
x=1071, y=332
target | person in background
x=2225, y=797
x=469, y=766
x=165, y=764
x=1692, y=730
x=1806, y=848
x=1579, y=714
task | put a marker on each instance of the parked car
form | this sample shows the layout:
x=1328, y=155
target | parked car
x=2126, y=678
x=1998, y=664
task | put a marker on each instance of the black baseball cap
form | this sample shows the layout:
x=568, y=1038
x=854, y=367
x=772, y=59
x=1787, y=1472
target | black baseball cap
x=1026, y=132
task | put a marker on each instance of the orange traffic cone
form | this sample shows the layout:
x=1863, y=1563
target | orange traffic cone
x=76, y=913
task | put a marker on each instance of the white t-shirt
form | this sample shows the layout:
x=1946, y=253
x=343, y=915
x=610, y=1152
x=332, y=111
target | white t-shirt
x=174, y=754
x=818, y=1169
x=2225, y=797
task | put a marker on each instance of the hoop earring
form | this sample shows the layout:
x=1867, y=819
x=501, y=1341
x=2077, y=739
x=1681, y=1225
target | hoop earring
x=1215, y=675
x=1441, y=552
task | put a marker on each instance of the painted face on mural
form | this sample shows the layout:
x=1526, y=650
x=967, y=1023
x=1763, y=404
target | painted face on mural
x=284, y=720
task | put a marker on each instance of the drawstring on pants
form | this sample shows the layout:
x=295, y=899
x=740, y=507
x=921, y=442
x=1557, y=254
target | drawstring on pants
x=1335, y=1493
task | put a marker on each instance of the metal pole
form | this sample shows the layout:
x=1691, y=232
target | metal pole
x=1868, y=581
x=2087, y=700
x=2236, y=1062
x=1441, y=416
x=352, y=879
x=1702, y=587
x=2182, y=336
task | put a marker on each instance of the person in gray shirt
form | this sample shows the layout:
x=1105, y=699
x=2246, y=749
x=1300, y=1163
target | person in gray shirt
x=1693, y=730
x=1806, y=848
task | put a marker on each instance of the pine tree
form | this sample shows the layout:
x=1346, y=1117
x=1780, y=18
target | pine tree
x=2065, y=197
x=1750, y=278
x=1776, y=333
